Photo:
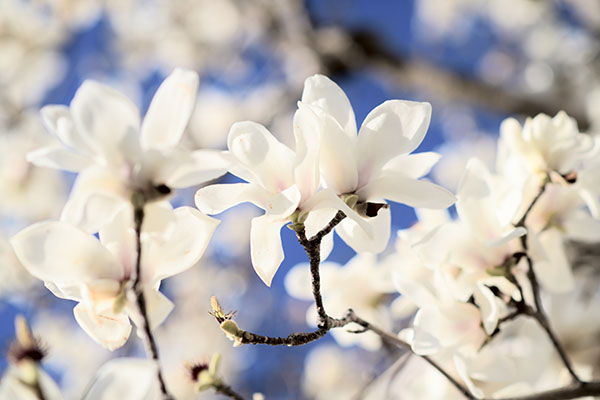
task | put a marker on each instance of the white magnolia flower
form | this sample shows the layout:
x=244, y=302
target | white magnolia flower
x=442, y=322
x=376, y=164
x=542, y=146
x=280, y=181
x=467, y=251
x=102, y=140
x=95, y=273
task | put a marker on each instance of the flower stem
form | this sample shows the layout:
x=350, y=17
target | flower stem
x=226, y=390
x=150, y=343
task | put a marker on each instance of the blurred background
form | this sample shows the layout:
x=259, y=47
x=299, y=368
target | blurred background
x=476, y=61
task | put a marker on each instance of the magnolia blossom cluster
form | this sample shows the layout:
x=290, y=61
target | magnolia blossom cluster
x=466, y=276
x=121, y=161
x=467, y=279
x=462, y=279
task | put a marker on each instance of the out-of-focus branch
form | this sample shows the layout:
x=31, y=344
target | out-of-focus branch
x=443, y=84
x=364, y=51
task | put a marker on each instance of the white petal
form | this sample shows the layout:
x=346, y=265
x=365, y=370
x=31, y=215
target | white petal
x=59, y=252
x=158, y=307
x=308, y=140
x=109, y=330
x=181, y=247
x=124, y=378
x=58, y=121
x=486, y=301
x=413, y=165
x=338, y=168
x=104, y=117
x=96, y=196
x=58, y=157
x=322, y=92
x=412, y=192
x=317, y=220
x=215, y=199
x=266, y=249
x=507, y=237
x=200, y=166
x=359, y=240
x=170, y=110
x=326, y=246
x=392, y=128
x=270, y=161
x=118, y=236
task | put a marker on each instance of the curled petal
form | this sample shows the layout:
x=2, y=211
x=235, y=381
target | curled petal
x=108, y=329
x=327, y=199
x=359, y=240
x=488, y=306
x=58, y=157
x=104, y=117
x=215, y=199
x=58, y=121
x=323, y=93
x=269, y=161
x=170, y=110
x=59, y=252
x=158, y=308
x=181, y=247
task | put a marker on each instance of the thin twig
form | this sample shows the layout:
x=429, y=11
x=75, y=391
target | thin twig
x=151, y=347
x=226, y=390
x=312, y=247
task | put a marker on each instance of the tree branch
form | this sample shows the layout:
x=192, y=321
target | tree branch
x=226, y=390
x=150, y=343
